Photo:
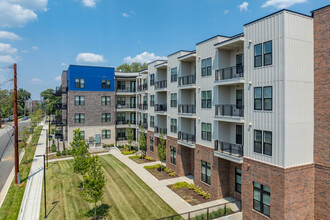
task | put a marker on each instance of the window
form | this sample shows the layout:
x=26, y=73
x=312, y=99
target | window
x=121, y=101
x=152, y=79
x=79, y=83
x=239, y=64
x=145, y=100
x=105, y=84
x=239, y=99
x=121, y=135
x=106, y=134
x=257, y=98
x=238, y=182
x=268, y=53
x=174, y=74
x=173, y=125
x=267, y=148
x=82, y=135
x=79, y=100
x=106, y=117
x=152, y=121
x=174, y=100
x=121, y=117
x=207, y=67
x=173, y=155
x=261, y=198
x=79, y=118
x=106, y=100
x=151, y=143
x=206, y=172
x=121, y=85
x=258, y=141
x=257, y=55
x=152, y=100
x=268, y=98
x=239, y=134
x=206, y=131
x=206, y=99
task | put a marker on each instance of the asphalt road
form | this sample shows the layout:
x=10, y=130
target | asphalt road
x=7, y=150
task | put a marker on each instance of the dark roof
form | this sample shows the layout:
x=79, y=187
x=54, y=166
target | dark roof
x=155, y=61
x=179, y=52
x=160, y=63
x=192, y=52
x=233, y=37
x=276, y=13
x=312, y=12
x=125, y=77
x=211, y=38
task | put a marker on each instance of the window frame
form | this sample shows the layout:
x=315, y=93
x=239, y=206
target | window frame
x=174, y=124
x=106, y=134
x=268, y=53
x=257, y=56
x=174, y=100
x=106, y=117
x=151, y=144
x=106, y=101
x=173, y=155
x=267, y=143
x=206, y=178
x=238, y=173
x=264, y=99
x=80, y=119
x=80, y=101
x=206, y=99
x=262, y=193
x=174, y=74
x=259, y=99
x=257, y=141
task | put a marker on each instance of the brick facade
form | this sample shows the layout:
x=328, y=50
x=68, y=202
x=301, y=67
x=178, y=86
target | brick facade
x=321, y=112
x=152, y=154
x=291, y=189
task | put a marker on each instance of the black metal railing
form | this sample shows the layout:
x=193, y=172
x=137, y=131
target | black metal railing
x=229, y=73
x=143, y=106
x=125, y=122
x=158, y=130
x=190, y=138
x=64, y=89
x=212, y=212
x=160, y=107
x=143, y=87
x=229, y=110
x=232, y=149
x=121, y=106
x=152, y=103
x=58, y=91
x=161, y=84
x=126, y=89
x=187, y=80
x=187, y=109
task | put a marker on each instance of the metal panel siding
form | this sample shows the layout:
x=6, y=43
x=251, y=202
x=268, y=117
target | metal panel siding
x=93, y=76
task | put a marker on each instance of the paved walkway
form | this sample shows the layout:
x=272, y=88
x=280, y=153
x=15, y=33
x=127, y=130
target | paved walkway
x=160, y=186
x=30, y=207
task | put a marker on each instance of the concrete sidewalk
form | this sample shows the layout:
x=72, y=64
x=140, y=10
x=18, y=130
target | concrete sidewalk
x=160, y=186
x=30, y=207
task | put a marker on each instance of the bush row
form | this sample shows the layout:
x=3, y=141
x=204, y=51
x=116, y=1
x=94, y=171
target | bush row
x=196, y=189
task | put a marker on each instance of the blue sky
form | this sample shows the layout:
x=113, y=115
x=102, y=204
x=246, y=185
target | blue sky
x=44, y=37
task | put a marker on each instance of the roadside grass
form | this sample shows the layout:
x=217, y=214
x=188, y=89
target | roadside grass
x=12, y=203
x=126, y=196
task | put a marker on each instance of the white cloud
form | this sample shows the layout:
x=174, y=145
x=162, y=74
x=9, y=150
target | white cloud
x=35, y=48
x=281, y=3
x=125, y=15
x=36, y=80
x=9, y=35
x=7, y=49
x=7, y=59
x=144, y=57
x=25, y=51
x=243, y=6
x=226, y=11
x=63, y=64
x=58, y=78
x=89, y=3
x=89, y=58
x=31, y=4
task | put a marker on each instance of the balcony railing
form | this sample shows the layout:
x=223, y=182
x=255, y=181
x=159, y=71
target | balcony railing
x=158, y=130
x=189, y=138
x=143, y=106
x=60, y=106
x=161, y=84
x=58, y=91
x=143, y=87
x=125, y=122
x=228, y=148
x=229, y=73
x=127, y=89
x=64, y=89
x=187, y=109
x=122, y=106
x=187, y=80
x=229, y=110
x=160, y=107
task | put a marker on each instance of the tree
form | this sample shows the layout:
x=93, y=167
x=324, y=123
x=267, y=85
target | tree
x=130, y=135
x=142, y=142
x=49, y=101
x=80, y=153
x=36, y=117
x=93, y=182
x=22, y=97
x=133, y=67
x=161, y=149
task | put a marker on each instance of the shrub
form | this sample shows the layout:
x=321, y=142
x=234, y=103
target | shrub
x=112, y=145
x=53, y=131
x=69, y=152
x=207, y=196
x=58, y=153
x=191, y=186
x=128, y=152
x=63, y=152
x=179, y=185
x=156, y=166
x=171, y=174
x=134, y=157
x=53, y=148
x=148, y=158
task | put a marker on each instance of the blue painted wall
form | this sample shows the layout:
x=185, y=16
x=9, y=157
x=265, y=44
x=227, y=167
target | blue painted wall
x=93, y=77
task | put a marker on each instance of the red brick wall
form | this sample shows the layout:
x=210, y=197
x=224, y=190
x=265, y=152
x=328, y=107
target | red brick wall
x=171, y=141
x=321, y=112
x=232, y=192
x=292, y=190
x=152, y=154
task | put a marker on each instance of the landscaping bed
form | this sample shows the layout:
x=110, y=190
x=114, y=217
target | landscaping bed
x=160, y=174
x=191, y=193
x=127, y=150
x=138, y=159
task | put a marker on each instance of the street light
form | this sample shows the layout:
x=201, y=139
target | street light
x=44, y=182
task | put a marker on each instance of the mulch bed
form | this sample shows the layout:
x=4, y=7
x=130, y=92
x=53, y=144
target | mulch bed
x=140, y=161
x=190, y=196
x=160, y=175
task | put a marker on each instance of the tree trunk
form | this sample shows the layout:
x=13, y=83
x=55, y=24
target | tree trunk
x=94, y=210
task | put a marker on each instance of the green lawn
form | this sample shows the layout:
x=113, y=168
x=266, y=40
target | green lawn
x=11, y=206
x=127, y=196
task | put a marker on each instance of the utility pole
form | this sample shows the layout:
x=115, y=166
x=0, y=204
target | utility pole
x=17, y=178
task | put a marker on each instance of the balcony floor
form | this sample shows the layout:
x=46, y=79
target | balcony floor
x=229, y=157
x=224, y=118
x=229, y=81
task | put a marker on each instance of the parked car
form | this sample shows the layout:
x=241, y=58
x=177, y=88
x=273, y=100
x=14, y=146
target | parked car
x=25, y=118
x=11, y=118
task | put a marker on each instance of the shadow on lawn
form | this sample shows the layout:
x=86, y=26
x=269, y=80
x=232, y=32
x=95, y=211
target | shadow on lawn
x=54, y=205
x=101, y=211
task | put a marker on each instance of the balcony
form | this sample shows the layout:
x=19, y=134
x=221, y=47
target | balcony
x=125, y=122
x=230, y=75
x=144, y=124
x=143, y=106
x=126, y=90
x=161, y=84
x=60, y=106
x=186, y=139
x=160, y=107
x=187, y=109
x=64, y=89
x=187, y=80
x=143, y=87
x=126, y=107
x=58, y=91
x=228, y=151
x=158, y=130
x=230, y=113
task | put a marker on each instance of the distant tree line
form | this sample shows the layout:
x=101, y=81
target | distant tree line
x=7, y=102
x=133, y=67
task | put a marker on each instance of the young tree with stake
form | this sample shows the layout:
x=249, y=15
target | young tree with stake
x=130, y=135
x=142, y=142
x=161, y=149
